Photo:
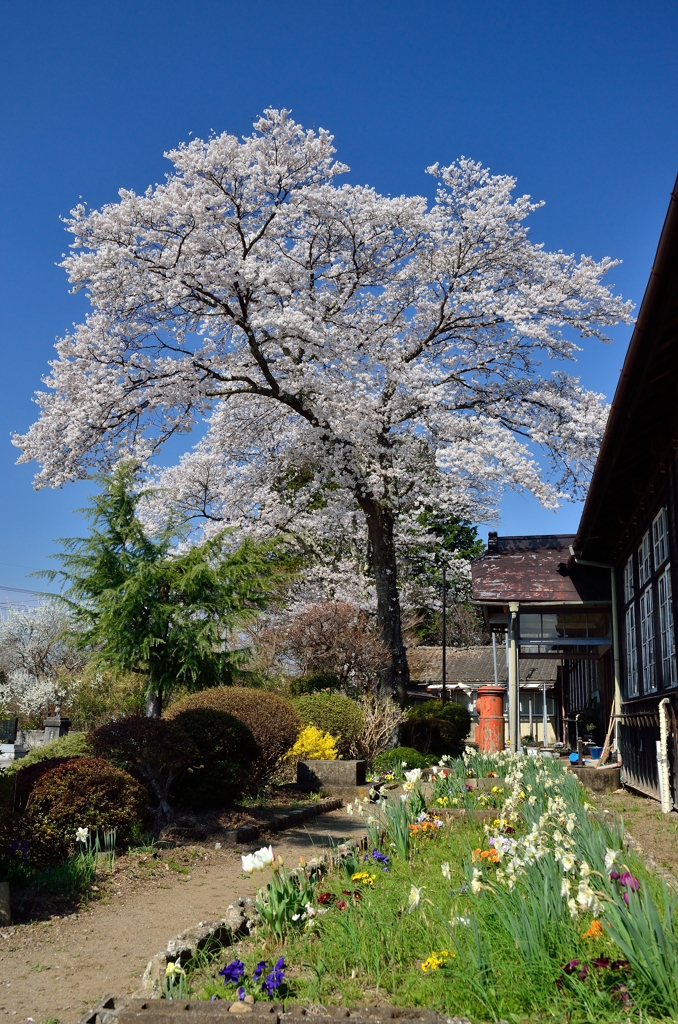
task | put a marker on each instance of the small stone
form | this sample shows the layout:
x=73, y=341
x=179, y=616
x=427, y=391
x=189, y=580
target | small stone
x=240, y=1008
x=248, y=999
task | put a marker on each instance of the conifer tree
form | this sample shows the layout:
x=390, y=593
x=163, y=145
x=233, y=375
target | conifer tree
x=145, y=603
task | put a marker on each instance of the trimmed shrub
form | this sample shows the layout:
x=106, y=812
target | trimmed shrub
x=437, y=728
x=271, y=719
x=226, y=752
x=313, y=745
x=72, y=745
x=152, y=750
x=85, y=792
x=333, y=713
x=25, y=780
x=409, y=758
x=314, y=682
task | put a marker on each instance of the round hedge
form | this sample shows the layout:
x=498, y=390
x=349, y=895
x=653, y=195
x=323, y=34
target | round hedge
x=85, y=792
x=271, y=719
x=227, y=751
x=333, y=713
x=406, y=756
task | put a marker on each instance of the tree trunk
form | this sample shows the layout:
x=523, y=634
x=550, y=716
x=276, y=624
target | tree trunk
x=380, y=527
x=153, y=705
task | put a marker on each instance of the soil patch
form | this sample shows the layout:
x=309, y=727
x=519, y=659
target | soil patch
x=656, y=833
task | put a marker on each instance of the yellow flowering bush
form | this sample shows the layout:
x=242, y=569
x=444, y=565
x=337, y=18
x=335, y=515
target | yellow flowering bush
x=313, y=745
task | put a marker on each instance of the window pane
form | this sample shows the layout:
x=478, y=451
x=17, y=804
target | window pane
x=549, y=627
x=647, y=656
x=660, y=540
x=668, y=644
x=644, y=560
x=628, y=580
x=530, y=625
x=631, y=653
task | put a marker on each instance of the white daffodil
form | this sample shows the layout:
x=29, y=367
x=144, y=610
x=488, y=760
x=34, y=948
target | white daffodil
x=445, y=868
x=565, y=888
x=414, y=899
x=476, y=885
x=568, y=861
x=611, y=857
x=81, y=835
x=584, y=870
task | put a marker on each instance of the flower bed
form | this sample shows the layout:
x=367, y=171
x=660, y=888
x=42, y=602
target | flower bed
x=541, y=913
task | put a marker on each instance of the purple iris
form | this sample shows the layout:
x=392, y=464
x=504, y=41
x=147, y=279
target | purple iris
x=630, y=880
x=233, y=973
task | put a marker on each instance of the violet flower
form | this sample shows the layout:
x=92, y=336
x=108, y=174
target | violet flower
x=233, y=973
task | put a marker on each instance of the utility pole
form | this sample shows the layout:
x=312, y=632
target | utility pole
x=443, y=692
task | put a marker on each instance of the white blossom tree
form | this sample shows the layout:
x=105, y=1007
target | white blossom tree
x=36, y=654
x=358, y=358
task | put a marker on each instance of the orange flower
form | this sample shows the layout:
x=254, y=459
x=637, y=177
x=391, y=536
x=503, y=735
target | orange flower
x=595, y=931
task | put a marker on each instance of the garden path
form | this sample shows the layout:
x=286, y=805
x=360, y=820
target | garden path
x=57, y=969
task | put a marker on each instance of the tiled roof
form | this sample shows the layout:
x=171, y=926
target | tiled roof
x=473, y=665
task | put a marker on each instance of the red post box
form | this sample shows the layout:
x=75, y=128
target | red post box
x=490, y=727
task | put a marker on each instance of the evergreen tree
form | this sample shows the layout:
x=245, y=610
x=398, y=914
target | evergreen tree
x=150, y=604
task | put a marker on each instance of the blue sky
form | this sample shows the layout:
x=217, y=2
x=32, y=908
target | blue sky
x=577, y=100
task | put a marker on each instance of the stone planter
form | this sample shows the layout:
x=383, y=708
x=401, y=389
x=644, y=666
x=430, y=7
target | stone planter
x=330, y=774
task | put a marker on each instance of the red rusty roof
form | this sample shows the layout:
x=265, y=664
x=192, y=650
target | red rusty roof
x=536, y=569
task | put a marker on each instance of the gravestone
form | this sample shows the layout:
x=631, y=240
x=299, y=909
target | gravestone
x=55, y=727
x=8, y=729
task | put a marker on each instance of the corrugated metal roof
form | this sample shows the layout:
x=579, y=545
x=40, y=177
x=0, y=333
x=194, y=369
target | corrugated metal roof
x=531, y=574
x=473, y=665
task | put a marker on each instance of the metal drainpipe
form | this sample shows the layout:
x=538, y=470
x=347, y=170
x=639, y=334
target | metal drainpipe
x=665, y=784
x=615, y=641
x=514, y=684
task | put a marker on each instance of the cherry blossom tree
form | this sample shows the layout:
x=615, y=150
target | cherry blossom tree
x=357, y=358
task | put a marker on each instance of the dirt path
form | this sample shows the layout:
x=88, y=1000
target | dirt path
x=56, y=970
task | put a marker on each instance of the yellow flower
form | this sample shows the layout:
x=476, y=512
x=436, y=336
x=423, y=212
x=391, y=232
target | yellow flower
x=437, y=960
x=363, y=877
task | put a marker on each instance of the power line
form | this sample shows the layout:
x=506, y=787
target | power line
x=23, y=590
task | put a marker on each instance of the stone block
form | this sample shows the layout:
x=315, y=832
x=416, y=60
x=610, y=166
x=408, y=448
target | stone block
x=162, y=1011
x=328, y=774
x=598, y=780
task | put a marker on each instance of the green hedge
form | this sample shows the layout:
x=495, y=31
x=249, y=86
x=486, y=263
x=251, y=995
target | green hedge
x=406, y=756
x=333, y=713
x=437, y=728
